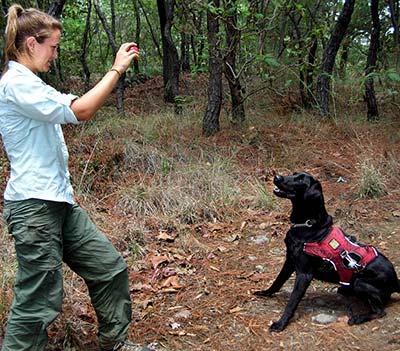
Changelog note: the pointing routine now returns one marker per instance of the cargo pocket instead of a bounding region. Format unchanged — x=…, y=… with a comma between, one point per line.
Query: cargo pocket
x=32, y=245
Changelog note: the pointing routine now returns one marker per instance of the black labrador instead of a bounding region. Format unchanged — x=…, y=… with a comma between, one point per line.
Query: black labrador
x=316, y=250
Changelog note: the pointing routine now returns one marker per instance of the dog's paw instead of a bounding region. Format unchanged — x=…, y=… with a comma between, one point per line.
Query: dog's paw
x=345, y=291
x=263, y=293
x=277, y=326
x=356, y=320
x=362, y=318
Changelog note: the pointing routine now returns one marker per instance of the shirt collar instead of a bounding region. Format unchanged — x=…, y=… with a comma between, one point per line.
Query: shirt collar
x=19, y=67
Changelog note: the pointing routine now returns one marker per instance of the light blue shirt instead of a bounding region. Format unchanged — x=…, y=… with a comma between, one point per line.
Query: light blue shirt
x=31, y=114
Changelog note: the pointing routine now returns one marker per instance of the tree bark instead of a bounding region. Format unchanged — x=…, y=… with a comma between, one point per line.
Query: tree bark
x=213, y=110
x=232, y=41
x=394, y=7
x=56, y=8
x=120, y=85
x=372, y=107
x=84, y=45
x=155, y=41
x=137, y=33
x=185, y=53
x=170, y=54
x=394, y=16
x=329, y=55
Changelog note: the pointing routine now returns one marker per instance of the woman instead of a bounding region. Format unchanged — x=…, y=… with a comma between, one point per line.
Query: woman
x=47, y=225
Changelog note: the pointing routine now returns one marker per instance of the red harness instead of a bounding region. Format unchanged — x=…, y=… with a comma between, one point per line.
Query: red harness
x=347, y=257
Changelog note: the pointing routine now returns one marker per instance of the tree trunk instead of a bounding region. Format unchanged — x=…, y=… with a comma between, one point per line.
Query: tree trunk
x=233, y=40
x=372, y=112
x=344, y=58
x=170, y=54
x=185, y=53
x=328, y=59
x=84, y=44
x=111, y=40
x=213, y=110
x=137, y=33
x=394, y=16
x=155, y=41
x=197, y=49
x=56, y=8
x=309, y=75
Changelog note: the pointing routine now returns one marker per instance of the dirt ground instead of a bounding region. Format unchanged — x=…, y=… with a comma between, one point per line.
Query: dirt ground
x=193, y=291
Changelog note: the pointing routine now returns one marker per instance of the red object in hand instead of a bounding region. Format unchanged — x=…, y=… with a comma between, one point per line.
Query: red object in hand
x=134, y=48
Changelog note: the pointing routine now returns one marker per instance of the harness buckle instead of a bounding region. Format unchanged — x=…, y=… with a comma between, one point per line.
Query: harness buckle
x=349, y=261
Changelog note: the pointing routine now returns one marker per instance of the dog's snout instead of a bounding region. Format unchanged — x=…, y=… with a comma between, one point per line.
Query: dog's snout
x=278, y=178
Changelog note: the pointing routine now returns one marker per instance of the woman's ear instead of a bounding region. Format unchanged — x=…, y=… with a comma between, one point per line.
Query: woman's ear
x=30, y=44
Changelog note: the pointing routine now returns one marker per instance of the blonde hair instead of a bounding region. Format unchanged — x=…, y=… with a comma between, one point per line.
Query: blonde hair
x=22, y=24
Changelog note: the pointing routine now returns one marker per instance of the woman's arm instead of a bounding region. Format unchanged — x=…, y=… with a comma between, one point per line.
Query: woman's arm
x=88, y=104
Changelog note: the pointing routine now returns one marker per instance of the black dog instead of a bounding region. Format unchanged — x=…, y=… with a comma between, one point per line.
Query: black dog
x=311, y=242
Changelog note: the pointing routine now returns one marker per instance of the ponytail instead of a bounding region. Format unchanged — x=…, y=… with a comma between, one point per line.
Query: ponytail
x=22, y=24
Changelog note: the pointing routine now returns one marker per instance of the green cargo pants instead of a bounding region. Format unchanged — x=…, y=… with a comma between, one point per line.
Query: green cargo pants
x=47, y=233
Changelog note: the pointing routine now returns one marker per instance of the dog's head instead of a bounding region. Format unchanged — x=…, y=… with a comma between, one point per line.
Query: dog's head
x=299, y=186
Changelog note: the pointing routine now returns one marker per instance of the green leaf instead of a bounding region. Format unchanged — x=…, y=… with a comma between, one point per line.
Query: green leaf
x=271, y=61
x=393, y=76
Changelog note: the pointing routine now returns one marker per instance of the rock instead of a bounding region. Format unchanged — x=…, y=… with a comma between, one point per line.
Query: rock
x=260, y=239
x=260, y=269
x=324, y=318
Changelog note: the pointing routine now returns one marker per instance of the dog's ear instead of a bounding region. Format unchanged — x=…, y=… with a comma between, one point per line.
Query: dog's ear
x=314, y=192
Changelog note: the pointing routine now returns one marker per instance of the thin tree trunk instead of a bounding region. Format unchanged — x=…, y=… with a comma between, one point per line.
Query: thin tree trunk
x=155, y=41
x=84, y=46
x=170, y=54
x=213, y=110
x=372, y=113
x=344, y=57
x=328, y=59
x=185, y=53
x=309, y=74
x=137, y=33
x=111, y=40
x=56, y=8
x=394, y=7
x=233, y=40
x=113, y=26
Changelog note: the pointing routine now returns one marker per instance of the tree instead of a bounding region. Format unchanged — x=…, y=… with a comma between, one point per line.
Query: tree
x=114, y=46
x=84, y=44
x=170, y=54
x=137, y=33
x=153, y=36
x=394, y=8
x=56, y=8
x=232, y=41
x=372, y=113
x=211, y=116
x=329, y=55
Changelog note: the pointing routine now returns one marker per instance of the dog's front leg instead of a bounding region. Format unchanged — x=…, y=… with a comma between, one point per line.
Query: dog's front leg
x=285, y=273
x=301, y=284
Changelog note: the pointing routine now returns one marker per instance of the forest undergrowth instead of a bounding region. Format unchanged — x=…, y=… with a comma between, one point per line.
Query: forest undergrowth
x=197, y=223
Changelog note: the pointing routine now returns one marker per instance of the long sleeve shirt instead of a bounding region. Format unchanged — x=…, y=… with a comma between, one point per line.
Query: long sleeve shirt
x=31, y=115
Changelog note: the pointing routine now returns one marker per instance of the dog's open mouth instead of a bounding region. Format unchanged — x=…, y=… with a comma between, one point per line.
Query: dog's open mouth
x=281, y=193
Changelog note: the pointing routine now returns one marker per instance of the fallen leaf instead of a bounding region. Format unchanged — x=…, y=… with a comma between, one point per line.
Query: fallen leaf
x=157, y=260
x=236, y=310
x=173, y=282
x=163, y=236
